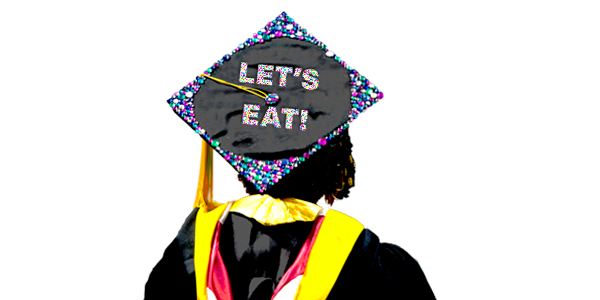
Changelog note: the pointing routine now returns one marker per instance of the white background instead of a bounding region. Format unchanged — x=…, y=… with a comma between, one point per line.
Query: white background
x=481, y=161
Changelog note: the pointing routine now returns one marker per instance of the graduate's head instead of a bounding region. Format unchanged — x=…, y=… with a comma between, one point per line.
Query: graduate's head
x=279, y=105
x=329, y=173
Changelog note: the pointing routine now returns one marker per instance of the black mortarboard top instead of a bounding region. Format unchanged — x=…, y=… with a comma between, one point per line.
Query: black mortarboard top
x=274, y=101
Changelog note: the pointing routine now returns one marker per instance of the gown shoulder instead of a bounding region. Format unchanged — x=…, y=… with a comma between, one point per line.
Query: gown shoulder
x=372, y=270
x=380, y=270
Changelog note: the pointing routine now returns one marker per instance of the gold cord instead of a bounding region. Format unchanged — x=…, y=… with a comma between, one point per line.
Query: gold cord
x=255, y=92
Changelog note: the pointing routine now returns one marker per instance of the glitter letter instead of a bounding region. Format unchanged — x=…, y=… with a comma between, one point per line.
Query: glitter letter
x=297, y=72
x=271, y=118
x=303, y=119
x=314, y=81
x=289, y=116
x=262, y=74
x=283, y=73
x=243, y=70
x=248, y=113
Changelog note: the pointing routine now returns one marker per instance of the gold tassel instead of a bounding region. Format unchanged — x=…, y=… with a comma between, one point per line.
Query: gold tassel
x=204, y=194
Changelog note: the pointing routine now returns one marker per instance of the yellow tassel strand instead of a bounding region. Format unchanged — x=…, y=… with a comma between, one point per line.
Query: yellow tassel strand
x=204, y=194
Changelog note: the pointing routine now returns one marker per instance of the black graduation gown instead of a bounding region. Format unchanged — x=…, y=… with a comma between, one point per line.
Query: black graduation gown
x=257, y=256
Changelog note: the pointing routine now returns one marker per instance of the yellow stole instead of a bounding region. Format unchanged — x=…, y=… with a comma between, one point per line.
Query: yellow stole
x=334, y=242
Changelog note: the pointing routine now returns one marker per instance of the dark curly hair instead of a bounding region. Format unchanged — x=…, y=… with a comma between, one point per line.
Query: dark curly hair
x=329, y=173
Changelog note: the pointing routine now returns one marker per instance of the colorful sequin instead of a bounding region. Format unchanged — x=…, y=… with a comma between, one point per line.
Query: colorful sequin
x=248, y=113
x=265, y=173
x=243, y=71
x=262, y=74
x=314, y=82
x=271, y=117
x=283, y=74
x=289, y=116
x=272, y=99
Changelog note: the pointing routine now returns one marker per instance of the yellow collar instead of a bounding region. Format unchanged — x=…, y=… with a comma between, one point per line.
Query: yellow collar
x=270, y=211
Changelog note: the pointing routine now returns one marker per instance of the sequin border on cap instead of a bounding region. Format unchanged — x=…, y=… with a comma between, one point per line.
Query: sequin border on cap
x=265, y=173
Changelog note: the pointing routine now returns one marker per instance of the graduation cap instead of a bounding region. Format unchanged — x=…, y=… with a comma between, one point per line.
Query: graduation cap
x=274, y=101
